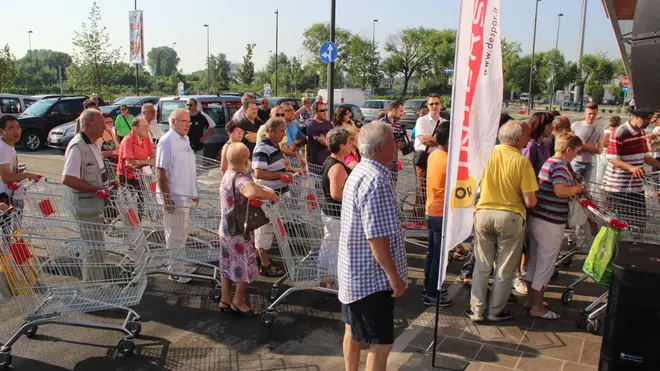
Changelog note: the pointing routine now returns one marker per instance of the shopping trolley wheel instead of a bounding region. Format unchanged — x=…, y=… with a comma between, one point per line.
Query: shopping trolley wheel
x=134, y=328
x=5, y=360
x=272, y=294
x=267, y=319
x=593, y=326
x=567, y=296
x=567, y=262
x=126, y=347
x=581, y=321
x=215, y=294
x=31, y=330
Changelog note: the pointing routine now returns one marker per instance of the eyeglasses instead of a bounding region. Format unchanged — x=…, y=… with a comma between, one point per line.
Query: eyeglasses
x=434, y=104
x=189, y=104
x=124, y=109
x=322, y=110
x=279, y=115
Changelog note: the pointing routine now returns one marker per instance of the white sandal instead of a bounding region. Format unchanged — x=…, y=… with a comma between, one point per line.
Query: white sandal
x=549, y=315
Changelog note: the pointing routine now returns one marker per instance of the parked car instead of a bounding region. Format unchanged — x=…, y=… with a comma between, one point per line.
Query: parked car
x=60, y=136
x=42, y=116
x=114, y=110
x=569, y=106
x=524, y=97
x=13, y=104
x=370, y=108
x=349, y=96
x=411, y=109
x=220, y=108
x=356, y=114
x=117, y=100
x=139, y=101
x=273, y=101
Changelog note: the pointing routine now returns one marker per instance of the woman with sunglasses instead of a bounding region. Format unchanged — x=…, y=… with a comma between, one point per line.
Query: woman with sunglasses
x=108, y=141
x=122, y=123
x=342, y=119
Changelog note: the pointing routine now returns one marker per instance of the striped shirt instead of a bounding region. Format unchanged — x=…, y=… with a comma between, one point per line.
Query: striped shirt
x=550, y=207
x=268, y=156
x=627, y=144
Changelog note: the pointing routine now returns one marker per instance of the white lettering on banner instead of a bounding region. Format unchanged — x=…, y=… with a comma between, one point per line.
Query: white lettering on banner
x=477, y=98
x=136, y=37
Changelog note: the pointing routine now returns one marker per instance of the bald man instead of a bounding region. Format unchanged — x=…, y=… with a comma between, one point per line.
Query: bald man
x=176, y=184
x=276, y=111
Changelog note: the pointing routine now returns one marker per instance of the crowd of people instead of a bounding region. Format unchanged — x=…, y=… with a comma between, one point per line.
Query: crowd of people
x=534, y=171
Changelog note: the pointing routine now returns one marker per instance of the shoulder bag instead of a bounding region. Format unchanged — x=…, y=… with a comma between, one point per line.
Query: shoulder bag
x=243, y=218
x=420, y=158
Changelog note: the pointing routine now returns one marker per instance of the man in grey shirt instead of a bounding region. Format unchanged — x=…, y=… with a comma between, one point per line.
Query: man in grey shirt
x=592, y=139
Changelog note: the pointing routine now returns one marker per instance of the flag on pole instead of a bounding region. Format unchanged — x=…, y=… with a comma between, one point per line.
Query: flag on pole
x=476, y=107
x=136, y=49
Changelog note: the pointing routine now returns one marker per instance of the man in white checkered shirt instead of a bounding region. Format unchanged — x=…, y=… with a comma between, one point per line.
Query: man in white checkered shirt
x=372, y=265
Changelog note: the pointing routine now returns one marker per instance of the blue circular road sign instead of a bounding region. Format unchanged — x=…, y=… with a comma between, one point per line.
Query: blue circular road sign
x=328, y=52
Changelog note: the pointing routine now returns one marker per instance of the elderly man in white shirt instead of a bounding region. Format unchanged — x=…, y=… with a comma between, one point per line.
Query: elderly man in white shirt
x=149, y=113
x=425, y=144
x=176, y=187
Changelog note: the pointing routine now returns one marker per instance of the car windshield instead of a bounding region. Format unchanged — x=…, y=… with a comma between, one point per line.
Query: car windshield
x=166, y=108
x=412, y=104
x=107, y=109
x=129, y=101
x=39, y=108
x=373, y=104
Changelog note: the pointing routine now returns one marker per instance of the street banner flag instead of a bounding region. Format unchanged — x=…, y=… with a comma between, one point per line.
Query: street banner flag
x=476, y=107
x=136, y=49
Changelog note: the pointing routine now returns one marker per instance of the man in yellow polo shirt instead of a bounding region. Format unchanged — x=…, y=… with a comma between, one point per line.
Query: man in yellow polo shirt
x=508, y=187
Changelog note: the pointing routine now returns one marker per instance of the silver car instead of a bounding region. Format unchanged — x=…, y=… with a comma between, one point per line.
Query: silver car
x=370, y=108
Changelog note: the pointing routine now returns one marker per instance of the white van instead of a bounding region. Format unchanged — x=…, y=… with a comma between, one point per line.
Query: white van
x=352, y=96
x=12, y=104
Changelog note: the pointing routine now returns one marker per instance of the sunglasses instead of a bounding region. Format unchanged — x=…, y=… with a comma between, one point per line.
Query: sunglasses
x=279, y=115
x=189, y=105
x=322, y=110
x=124, y=109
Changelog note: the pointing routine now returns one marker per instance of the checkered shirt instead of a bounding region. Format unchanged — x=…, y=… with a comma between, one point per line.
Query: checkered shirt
x=369, y=211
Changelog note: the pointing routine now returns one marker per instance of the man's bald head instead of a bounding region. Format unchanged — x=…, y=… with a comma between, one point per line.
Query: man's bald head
x=92, y=123
x=238, y=155
x=277, y=111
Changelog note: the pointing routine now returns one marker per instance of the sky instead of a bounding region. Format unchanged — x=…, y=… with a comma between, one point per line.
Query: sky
x=233, y=24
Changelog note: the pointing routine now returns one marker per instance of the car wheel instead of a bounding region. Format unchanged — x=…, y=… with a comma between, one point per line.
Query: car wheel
x=32, y=140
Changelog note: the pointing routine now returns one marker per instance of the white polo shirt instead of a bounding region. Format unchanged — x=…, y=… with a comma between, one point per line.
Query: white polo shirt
x=425, y=126
x=154, y=130
x=174, y=155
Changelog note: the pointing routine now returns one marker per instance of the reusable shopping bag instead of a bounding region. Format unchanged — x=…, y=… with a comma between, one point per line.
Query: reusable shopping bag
x=598, y=264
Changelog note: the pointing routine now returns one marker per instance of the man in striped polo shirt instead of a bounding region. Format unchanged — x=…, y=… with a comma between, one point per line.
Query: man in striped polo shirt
x=627, y=152
x=269, y=167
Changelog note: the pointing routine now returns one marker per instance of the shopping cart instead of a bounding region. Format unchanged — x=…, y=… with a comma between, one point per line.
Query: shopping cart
x=72, y=269
x=209, y=174
x=307, y=233
x=180, y=239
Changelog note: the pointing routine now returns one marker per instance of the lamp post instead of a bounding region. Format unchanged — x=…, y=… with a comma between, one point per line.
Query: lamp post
x=531, y=67
x=277, y=28
x=30, y=43
x=583, y=23
x=554, y=65
x=174, y=43
x=373, y=47
x=208, y=61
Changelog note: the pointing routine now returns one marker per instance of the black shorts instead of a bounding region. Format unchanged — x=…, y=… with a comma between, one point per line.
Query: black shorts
x=371, y=318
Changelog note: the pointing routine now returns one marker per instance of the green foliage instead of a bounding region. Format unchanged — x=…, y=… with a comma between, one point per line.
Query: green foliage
x=246, y=70
x=599, y=71
x=362, y=64
x=8, y=69
x=162, y=61
x=220, y=80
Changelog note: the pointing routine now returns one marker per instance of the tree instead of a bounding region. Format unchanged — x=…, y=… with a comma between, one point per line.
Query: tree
x=599, y=71
x=7, y=68
x=317, y=34
x=294, y=74
x=409, y=51
x=220, y=68
x=162, y=61
x=513, y=70
x=95, y=59
x=246, y=70
x=361, y=62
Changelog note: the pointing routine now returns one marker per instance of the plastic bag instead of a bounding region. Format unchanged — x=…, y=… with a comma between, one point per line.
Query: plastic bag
x=576, y=214
x=598, y=264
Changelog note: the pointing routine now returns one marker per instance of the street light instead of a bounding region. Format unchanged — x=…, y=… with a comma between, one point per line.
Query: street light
x=531, y=66
x=554, y=64
x=174, y=43
x=373, y=46
x=277, y=28
x=30, y=43
x=208, y=61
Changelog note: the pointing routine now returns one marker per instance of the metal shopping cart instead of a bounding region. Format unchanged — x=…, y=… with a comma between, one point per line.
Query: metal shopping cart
x=307, y=233
x=181, y=238
x=57, y=268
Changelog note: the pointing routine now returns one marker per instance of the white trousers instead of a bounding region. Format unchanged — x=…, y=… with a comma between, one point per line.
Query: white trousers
x=176, y=234
x=544, y=244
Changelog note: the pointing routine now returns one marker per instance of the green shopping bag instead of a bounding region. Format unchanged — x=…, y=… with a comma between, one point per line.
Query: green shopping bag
x=599, y=261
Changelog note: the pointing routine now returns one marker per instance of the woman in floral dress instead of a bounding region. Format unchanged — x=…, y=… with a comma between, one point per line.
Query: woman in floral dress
x=238, y=263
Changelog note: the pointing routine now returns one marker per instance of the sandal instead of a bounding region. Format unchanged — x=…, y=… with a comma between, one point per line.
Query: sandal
x=240, y=313
x=549, y=315
x=458, y=256
x=227, y=307
x=271, y=271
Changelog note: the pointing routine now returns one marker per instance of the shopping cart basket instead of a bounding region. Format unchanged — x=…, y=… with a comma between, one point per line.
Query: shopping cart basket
x=308, y=241
x=72, y=269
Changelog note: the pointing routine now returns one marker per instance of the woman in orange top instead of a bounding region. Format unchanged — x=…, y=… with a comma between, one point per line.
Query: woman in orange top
x=436, y=175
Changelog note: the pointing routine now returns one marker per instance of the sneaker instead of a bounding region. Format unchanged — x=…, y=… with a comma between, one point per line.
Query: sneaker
x=429, y=301
x=474, y=317
x=180, y=279
x=520, y=286
x=443, y=291
x=501, y=316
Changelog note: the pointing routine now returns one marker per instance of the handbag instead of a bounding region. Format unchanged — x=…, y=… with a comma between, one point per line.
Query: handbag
x=598, y=264
x=243, y=218
x=420, y=158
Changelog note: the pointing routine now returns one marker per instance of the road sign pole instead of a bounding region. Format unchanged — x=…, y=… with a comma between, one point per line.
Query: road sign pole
x=331, y=66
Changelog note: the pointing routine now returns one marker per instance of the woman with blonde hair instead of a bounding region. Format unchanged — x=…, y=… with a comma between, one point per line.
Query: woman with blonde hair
x=305, y=112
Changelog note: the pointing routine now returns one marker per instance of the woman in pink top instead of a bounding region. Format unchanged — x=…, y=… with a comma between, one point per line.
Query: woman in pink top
x=343, y=119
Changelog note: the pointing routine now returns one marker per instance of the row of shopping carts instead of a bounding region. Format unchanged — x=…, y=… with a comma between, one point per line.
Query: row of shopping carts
x=633, y=216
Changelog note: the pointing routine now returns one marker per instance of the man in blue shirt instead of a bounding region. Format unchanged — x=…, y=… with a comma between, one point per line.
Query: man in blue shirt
x=295, y=139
